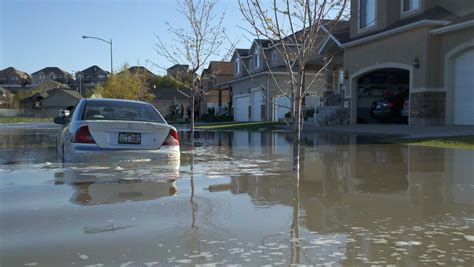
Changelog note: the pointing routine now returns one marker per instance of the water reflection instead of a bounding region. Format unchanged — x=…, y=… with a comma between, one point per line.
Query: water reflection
x=234, y=200
x=122, y=182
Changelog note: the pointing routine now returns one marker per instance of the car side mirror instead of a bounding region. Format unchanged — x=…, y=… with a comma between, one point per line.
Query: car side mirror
x=60, y=120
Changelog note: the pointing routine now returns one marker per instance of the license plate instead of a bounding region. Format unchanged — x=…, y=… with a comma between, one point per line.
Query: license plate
x=130, y=138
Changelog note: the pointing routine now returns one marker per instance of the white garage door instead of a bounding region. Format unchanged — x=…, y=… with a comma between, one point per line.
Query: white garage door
x=257, y=102
x=464, y=89
x=241, y=108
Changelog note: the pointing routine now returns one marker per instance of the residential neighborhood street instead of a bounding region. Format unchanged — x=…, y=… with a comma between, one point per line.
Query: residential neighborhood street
x=235, y=133
x=233, y=201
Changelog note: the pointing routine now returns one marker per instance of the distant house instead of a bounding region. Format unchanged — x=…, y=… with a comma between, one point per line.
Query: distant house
x=178, y=70
x=49, y=103
x=216, y=97
x=6, y=98
x=169, y=99
x=48, y=85
x=89, y=78
x=143, y=72
x=12, y=76
x=51, y=73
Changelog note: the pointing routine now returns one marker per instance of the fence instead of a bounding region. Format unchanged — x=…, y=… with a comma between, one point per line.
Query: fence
x=8, y=112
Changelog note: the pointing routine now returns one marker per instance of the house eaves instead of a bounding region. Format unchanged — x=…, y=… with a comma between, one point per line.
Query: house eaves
x=453, y=27
x=425, y=22
x=251, y=77
x=331, y=36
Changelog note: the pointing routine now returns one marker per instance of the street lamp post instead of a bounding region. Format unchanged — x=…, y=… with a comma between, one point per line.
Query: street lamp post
x=110, y=43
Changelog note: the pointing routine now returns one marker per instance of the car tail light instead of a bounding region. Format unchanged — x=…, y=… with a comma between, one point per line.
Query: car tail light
x=172, y=139
x=83, y=136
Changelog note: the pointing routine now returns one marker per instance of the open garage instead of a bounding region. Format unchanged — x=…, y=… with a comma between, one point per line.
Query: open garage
x=383, y=96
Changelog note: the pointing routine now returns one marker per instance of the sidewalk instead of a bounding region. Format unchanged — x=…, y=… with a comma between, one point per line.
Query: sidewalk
x=403, y=131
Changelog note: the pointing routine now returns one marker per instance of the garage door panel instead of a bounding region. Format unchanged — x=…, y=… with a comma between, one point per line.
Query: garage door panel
x=257, y=100
x=464, y=88
x=241, y=108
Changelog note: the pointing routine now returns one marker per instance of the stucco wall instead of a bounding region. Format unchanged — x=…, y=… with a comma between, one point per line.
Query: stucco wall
x=400, y=48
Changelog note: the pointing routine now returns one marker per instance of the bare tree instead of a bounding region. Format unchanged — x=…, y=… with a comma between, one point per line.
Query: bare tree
x=296, y=29
x=196, y=44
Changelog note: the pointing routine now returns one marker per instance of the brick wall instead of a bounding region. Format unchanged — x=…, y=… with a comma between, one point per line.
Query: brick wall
x=428, y=108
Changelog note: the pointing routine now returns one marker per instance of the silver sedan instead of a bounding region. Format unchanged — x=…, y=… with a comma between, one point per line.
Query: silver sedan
x=103, y=129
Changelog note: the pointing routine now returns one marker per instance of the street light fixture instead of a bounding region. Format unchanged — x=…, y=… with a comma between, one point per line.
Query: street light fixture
x=103, y=40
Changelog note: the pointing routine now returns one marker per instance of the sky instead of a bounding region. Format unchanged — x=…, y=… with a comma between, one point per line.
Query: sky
x=44, y=33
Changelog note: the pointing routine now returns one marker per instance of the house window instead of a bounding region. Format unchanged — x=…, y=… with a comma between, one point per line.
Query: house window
x=275, y=58
x=237, y=65
x=256, y=61
x=101, y=77
x=410, y=5
x=14, y=78
x=366, y=14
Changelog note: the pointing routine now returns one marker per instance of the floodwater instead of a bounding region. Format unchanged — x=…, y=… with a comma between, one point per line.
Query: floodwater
x=234, y=201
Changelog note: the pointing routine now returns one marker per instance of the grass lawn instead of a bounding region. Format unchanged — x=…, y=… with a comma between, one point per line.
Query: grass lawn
x=23, y=119
x=241, y=126
x=463, y=142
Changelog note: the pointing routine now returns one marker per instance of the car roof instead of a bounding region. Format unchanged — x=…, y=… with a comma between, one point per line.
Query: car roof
x=114, y=100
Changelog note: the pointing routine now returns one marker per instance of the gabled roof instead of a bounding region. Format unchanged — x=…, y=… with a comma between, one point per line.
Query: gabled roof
x=51, y=92
x=340, y=30
x=54, y=70
x=168, y=93
x=49, y=85
x=11, y=70
x=179, y=66
x=92, y=70
x=242, y=52
x=141, y=69
x=221, y=67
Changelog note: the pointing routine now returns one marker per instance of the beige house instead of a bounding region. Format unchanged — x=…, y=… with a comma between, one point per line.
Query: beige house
x=213, y=96
x=12, y=76
x=422, y=48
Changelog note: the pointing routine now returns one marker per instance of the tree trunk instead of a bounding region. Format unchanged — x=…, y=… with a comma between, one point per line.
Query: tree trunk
x=297, y=142
x=298, y=122
x=192, y=109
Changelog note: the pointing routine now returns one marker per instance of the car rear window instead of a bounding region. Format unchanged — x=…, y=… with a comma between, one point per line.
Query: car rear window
x=123, y=111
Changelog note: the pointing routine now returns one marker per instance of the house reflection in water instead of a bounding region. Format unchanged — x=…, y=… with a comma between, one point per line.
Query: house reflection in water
x=369, y=194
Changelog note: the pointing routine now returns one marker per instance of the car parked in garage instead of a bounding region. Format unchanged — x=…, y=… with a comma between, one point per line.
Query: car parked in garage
x=387, y=109
x=116, y=129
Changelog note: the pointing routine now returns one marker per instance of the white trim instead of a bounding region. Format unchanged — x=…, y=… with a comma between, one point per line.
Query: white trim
x=331, y=36
x=322, y=46
x=251, y=76
x=238, y=68
x=449, y=77
x=424, y=22
x=353, y=84
x=409, y=12
x=369, y=27
x=454, y=27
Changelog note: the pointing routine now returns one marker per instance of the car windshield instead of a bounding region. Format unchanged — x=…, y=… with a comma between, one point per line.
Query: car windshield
x=120, y=110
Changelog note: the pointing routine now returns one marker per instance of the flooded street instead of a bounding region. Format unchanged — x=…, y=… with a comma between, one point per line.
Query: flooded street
x=235, y=201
